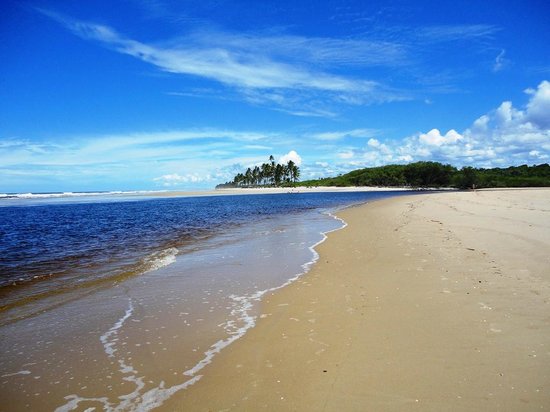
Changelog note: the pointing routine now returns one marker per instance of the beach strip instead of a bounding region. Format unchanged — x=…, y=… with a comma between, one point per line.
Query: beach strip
x=432, y=302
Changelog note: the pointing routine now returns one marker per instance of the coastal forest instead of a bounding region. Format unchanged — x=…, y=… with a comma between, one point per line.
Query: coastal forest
x=423, y=174
x=434, y=174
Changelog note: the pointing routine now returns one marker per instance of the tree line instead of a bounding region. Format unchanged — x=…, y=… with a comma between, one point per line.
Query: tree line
x=435, y=174
x=267, y=174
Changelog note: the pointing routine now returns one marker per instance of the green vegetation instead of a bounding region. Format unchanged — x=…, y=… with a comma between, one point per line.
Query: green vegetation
x=268, y=174
x=419, y=174
x=434, y=174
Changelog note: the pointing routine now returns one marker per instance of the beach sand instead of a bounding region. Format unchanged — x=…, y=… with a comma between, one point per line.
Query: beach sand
x=433, y=302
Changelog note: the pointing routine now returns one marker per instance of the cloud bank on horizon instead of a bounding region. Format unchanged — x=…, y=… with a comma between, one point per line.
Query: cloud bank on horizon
x=185, y=96
x=504, y=136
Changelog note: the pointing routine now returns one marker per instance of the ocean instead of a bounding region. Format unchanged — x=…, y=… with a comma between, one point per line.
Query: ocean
x=118, y=301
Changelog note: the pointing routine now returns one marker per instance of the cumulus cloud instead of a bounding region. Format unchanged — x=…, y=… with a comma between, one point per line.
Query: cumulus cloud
x=175, y=179
x=504, y=136
x=345, y=154
x=434, y=137
x=292, y=155
x=538, y=108
x=538, y=155
x=381, y=147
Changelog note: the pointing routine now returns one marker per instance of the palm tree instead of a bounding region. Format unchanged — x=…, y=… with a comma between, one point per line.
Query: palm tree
x=296, y=173
x=293, y=171
x=268, y=173
x=278, y=174
x=272, y=169
x=248, y=177
x=256, y=175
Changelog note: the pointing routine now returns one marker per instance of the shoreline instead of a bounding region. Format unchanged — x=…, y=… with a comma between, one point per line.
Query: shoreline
x=457, y=321
x=191, y=307
x=280, y=190
x=19, y=199
x=9, y=199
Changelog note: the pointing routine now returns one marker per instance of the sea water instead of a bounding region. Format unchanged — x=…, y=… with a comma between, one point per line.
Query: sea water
x=116, y=304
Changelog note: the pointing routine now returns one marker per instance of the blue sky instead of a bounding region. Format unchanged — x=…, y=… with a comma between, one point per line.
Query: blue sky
x=154, y=95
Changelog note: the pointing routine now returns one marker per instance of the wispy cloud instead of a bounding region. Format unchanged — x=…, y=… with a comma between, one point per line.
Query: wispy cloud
x=160, y=147
x=339, y=135
x=324, y=51
x=178, y=158
x=299, y=75
x=500, y=61
x=464, y=32
x=279, y=70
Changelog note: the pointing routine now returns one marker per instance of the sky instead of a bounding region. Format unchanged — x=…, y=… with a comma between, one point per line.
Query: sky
x=170, y=95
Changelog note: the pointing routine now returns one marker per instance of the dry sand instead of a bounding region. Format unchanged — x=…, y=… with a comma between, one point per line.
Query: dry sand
x=432, y=303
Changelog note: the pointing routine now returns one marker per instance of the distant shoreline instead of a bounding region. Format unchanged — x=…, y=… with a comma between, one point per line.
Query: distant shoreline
x=278, y=190
x=9, y=197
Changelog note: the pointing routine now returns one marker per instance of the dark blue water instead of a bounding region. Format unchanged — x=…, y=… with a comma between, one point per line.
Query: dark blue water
x=50, y=246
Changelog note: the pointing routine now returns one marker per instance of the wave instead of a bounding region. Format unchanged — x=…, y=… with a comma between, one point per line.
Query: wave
x=52, y=195
x=160, y=259
x=65, y=293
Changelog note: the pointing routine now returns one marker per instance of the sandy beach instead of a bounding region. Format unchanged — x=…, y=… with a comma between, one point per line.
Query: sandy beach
x=433, y=302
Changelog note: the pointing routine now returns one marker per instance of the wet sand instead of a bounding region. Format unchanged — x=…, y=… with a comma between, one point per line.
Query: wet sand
x=434, y=302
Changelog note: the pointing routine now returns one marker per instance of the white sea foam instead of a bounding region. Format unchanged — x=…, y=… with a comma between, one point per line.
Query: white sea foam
x=25, y=372
x=154, y=397
x=244, y=304
x=135, y=400
x=160, y=259
x=75, y=194
x=107, y=340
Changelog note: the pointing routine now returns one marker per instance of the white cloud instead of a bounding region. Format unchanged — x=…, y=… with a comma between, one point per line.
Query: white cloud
x=344, y=134
x=459, y=32
x=434, y=137
x=500, y=61
x=175, y=179
x=504, y=136
x=286, y=71
x=345, y=154
x=381, y=147
x=292, y=155
x=405, y=158
x=507, y=135
x=538, y=108
x=373, y=143
x=538, y=155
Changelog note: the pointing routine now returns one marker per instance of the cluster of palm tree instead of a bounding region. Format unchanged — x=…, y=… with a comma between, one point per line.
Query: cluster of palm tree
x=268, y=174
